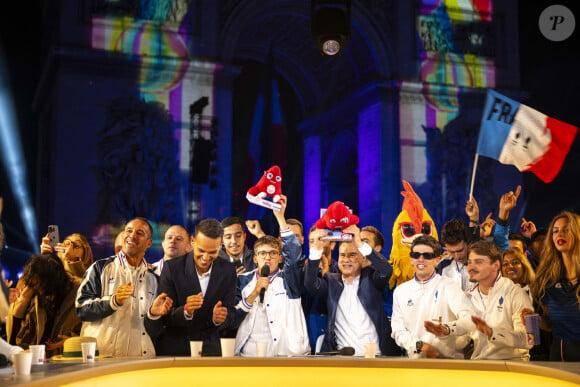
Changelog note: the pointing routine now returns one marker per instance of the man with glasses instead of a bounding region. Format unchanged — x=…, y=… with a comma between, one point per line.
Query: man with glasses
x=269, y=305
x=427, y=308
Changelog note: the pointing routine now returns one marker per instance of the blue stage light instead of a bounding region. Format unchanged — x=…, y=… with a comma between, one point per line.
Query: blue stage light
x=12, y=158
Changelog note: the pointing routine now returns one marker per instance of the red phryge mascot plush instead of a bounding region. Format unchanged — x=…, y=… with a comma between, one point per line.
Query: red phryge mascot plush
x=336, y=217
x=270, y=184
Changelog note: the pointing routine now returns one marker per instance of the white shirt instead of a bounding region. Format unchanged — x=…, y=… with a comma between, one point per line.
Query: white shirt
x=354, y=327
x=203, y=284
x=260, y=331
x=204, y=279
x=458, y=272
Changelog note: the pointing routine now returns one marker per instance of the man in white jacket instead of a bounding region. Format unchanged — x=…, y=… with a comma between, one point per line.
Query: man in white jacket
x=269, y=308
x=116, y=293
x=426, y=308
x=498, y=304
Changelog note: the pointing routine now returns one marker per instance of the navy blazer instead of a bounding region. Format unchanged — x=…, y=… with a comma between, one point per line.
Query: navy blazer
x=373, y=280
x=172, y=333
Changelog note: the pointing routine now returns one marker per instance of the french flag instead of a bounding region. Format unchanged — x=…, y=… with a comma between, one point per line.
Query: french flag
x=518, y=135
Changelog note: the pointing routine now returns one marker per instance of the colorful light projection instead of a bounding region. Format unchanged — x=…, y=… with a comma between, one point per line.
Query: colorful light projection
x=453, y=54
x=157, y=37
x=167, y=73
x=163, y=54
x=162, y=51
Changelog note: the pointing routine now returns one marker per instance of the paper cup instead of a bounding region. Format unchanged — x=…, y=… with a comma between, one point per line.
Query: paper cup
x=38, y=353
x=195, y=348
x=370, y=350
x=228, y=346
x=261, y=348
x=88, y=350
x=22, y=362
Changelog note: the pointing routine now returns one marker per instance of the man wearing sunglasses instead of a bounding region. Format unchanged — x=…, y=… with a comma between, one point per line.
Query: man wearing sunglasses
x=427, y=307
x=268, y=299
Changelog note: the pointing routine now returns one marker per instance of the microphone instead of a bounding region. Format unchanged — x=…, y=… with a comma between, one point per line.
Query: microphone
x=264, y=272
x=344, y=351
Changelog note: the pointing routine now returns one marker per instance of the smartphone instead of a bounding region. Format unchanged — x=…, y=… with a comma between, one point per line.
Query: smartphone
x=336, y=235
x=53, y=235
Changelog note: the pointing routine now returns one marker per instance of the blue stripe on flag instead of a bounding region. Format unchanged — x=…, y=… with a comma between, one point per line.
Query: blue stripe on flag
x=496, y=122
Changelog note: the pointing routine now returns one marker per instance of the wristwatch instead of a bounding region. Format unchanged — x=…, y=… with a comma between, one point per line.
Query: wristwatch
x=418, y=346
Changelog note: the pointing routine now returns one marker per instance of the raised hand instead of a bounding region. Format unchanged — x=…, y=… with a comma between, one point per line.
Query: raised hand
x=472, y=209
x=508, y=201
x=436, y=329
x=487, y=226
x=255, y=228
x=355, y=231
x=220, y=313
x=45, y=247
x=161, y=305
x=482, y=326
x=193, y=303
x=527, y=228
x=124, y=292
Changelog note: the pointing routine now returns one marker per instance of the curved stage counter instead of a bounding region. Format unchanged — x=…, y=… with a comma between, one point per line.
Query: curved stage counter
x=302, y=371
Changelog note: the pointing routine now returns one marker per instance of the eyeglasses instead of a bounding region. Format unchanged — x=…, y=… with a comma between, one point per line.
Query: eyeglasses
x=264, y=254
x=68, y=243
x=512, y=263
x=417, y=255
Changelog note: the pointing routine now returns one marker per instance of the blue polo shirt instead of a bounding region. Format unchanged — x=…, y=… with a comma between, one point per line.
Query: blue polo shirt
x=563, y=309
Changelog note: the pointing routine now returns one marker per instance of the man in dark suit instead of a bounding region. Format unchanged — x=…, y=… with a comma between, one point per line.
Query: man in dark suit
x=353, y=296
x=202, y=290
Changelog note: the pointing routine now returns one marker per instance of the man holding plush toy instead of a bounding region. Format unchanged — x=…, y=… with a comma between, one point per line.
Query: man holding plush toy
x=353, y=296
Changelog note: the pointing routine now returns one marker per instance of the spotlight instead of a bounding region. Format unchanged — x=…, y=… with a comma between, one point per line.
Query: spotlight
x=330, y=25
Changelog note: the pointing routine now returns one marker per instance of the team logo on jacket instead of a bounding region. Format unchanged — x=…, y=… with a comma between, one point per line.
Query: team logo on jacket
x=410, y=302
x=500, y=304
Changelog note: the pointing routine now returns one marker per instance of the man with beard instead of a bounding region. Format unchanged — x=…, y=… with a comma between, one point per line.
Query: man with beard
x=498, y=305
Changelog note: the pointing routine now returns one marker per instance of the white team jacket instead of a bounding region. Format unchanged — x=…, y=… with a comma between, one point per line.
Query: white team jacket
x=441, y=300
x=119, y=330
x=285, y=315
x=501, y=311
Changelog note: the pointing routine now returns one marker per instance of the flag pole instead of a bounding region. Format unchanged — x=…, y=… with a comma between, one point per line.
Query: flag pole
x=473, y=176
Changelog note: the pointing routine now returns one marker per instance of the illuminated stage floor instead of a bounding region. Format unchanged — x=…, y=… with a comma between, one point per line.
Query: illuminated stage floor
x=303, y=371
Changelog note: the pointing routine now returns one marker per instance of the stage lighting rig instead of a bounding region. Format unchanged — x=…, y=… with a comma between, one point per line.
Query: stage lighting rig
x=330, y=25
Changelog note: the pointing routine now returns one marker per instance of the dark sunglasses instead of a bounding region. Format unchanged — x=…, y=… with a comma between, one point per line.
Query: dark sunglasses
x=417, y=255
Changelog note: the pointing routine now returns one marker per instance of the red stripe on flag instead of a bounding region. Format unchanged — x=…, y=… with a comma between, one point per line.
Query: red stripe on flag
x=563, y=135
